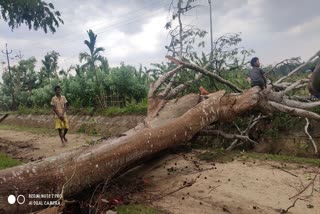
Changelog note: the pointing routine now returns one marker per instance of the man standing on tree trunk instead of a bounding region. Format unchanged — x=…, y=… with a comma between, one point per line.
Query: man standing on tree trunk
x=257, y=75
x=59, y=104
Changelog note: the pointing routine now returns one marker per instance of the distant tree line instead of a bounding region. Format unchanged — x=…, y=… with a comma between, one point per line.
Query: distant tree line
x=82, y=84
x=86, y=84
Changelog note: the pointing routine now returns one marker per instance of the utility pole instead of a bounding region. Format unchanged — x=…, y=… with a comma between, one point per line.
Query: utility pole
x=10, y=77
x=209, y=1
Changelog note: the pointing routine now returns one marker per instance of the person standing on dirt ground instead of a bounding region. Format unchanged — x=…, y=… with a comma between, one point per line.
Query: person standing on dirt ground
x=59, y=104
x=257, y=75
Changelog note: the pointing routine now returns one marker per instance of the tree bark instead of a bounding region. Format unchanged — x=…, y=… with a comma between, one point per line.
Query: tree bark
x=73, y=172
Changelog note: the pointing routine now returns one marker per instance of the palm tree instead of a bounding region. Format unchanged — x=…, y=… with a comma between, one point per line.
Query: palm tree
x=50, y=64
x=94, y=54
x=78, y=69
x=104, y=67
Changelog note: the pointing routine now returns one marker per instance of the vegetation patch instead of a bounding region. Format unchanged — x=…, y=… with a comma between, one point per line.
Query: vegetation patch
x=39, y=111
x=7, y=162
x=26, y=128
x=219, y=155
x=136, y=209
x=91, y=142
x=280, y=158
x=132, y=109
x=89, y=128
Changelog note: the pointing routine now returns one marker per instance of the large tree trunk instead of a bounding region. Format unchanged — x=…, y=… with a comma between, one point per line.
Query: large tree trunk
x=71, y=173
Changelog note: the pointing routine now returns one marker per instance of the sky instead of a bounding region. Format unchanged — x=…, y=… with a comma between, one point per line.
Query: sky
x=133, y=32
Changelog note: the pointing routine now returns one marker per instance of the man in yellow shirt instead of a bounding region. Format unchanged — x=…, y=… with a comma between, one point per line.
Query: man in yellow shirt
x=59, y=104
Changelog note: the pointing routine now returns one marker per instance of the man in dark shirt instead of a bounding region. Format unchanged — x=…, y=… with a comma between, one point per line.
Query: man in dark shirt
x=314, y=80
x=257, y=75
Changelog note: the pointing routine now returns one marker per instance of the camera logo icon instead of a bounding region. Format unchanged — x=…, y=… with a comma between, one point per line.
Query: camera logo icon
x=20, y=199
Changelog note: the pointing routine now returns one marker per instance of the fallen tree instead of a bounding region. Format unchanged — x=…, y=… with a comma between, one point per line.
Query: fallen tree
x=170, y=121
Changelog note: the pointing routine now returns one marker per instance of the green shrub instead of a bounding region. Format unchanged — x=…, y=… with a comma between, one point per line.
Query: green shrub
x=6, y=162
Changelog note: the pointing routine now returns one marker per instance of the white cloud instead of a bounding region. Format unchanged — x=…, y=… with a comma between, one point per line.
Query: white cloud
x=307, y=27
x=133, y=31
x=119, y=45
x=115, y=43
x=148, y=41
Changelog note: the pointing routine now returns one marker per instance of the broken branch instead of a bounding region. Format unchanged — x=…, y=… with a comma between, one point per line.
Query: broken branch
x=226, y=135
x=293, y=111
x=182, y=87
x=293, y=86
x=164, y=77
x=283, y=62
x=294, y=203
x=298, y=68
x=310, y=137
x=206, y=72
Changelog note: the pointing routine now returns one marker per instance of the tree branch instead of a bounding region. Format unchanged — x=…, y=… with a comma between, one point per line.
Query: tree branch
x=226, y=135
x=253, y=121
x=298, y=68
x=168, y=88
x=182, y=87
x=300, y=99
x=286, y=61
x=206, y=72
x=164, y=77
x=294, y=203
x=185, y=85
x=310, y=137
x=293, y=111
x=293, y=86
x=279, y=97
x=233, y=145
x=298, y=104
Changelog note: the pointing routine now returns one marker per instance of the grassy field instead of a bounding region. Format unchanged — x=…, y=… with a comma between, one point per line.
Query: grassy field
x=131, y=109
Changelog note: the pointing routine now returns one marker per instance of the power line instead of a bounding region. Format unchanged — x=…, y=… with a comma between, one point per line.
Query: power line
x=128, y=13
x=110, y=28
x=115, y=26
x=112, y=24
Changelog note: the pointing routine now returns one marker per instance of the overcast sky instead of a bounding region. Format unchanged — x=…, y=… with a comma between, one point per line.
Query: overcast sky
x=133, y=31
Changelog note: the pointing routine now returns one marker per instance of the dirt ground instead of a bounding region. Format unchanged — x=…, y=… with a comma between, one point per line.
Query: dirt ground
x=181, y=183
x=27, y=146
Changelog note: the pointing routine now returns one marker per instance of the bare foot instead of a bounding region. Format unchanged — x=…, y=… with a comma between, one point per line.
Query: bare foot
x=65, y=139
x=63, y=142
